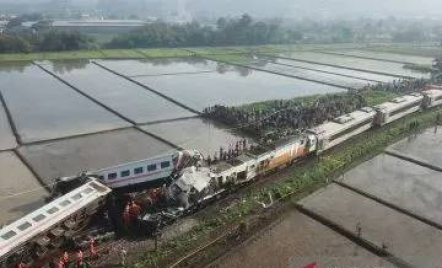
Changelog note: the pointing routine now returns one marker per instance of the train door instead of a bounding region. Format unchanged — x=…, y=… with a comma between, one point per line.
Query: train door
x=312, y=143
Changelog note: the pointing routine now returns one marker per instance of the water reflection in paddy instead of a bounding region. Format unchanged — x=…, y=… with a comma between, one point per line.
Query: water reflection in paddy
x=44, y=108
x=127, y=98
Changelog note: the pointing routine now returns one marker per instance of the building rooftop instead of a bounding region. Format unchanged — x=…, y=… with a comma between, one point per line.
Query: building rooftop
x=98, y=23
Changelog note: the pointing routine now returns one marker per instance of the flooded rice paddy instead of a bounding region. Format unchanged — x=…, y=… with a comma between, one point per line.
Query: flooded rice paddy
x=200, y=134
x=400, y=58
x=402, y=183
x=368, y=65
x=69, y=157
x=426, y=146
x=405, y=237
x=335, y=70
x=20, y=192
x=44, y=108
x=132, y=101
x=154, y=67
x=232, y=86
x=332, y=79
x=295, y=241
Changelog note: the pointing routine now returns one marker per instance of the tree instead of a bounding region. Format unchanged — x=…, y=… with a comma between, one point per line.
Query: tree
x=60, y=41
x=13, y=44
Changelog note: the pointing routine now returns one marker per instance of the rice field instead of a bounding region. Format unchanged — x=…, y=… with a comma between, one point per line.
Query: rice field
x=367, y=65
x=80, y=114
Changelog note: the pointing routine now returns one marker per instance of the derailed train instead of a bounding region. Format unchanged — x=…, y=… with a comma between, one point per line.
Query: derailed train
x=189, y=182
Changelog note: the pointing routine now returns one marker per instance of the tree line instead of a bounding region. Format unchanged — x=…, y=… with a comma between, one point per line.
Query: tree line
x=50, y=41
x=236, y=31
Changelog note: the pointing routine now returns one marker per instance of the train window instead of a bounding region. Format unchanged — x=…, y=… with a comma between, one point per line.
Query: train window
x=165, y=164
x=112, y=176
x=125, y=173
x=8, y=235
x=77, y=196
x=38, y=218
x=52, y=210
x=65, y=203
x=151, y=167
x=139, y=170
x=88, y=191
x=101, y=178
x=24, y=226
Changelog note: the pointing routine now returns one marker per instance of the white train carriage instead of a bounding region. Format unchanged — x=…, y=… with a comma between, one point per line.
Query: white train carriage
x=432, y=97
x=48, y=226
x=138, y=172
x=342, y=128
x=147, y=171
x=397, y=108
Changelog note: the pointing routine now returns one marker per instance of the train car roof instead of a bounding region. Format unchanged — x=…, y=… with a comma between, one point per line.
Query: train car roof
x=42, y=219
x=343, y=122
x=134, y=162
x=197, y=179
x=434, y=93
x=399, y=102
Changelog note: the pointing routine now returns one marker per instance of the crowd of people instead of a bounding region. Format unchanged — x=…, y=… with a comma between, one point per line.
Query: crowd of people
x=281, y=118
x=274, y=120
x=400, y=86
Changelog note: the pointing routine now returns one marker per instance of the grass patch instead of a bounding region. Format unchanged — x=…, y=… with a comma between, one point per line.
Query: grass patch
x=205, y=51
x=164, y=53
x=216, y=50
x=331, y=164
x=375, y=97
x=121, y=54
x=426, y=51
x=419, y=67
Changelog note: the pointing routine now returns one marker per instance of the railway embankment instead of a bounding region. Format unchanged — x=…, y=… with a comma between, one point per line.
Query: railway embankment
x=295, y=182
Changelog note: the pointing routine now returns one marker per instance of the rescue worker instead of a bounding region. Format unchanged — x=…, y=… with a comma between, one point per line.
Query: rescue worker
x=22, y=265
x=61, y=263
x=66, y=257
x=126, y=215
x=134, y=210
x=92, y=248
x=123, y=254
x=79, y=256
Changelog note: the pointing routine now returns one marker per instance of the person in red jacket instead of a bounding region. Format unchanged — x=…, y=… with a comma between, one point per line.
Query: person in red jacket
x=65, y=257
x=22, y=265
x=92, y=248
x=60, y=263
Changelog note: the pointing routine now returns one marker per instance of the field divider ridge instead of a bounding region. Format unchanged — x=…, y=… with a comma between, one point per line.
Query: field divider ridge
x=148, y=88
x=345, y=67
x=390, y=205
x=327, y=72
x=360, y=241
x=32, y=170
x=413, y=160
x=364, y=57
x=132, y=123
x=86, y=95
x=277, y=73
x=10, y=120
